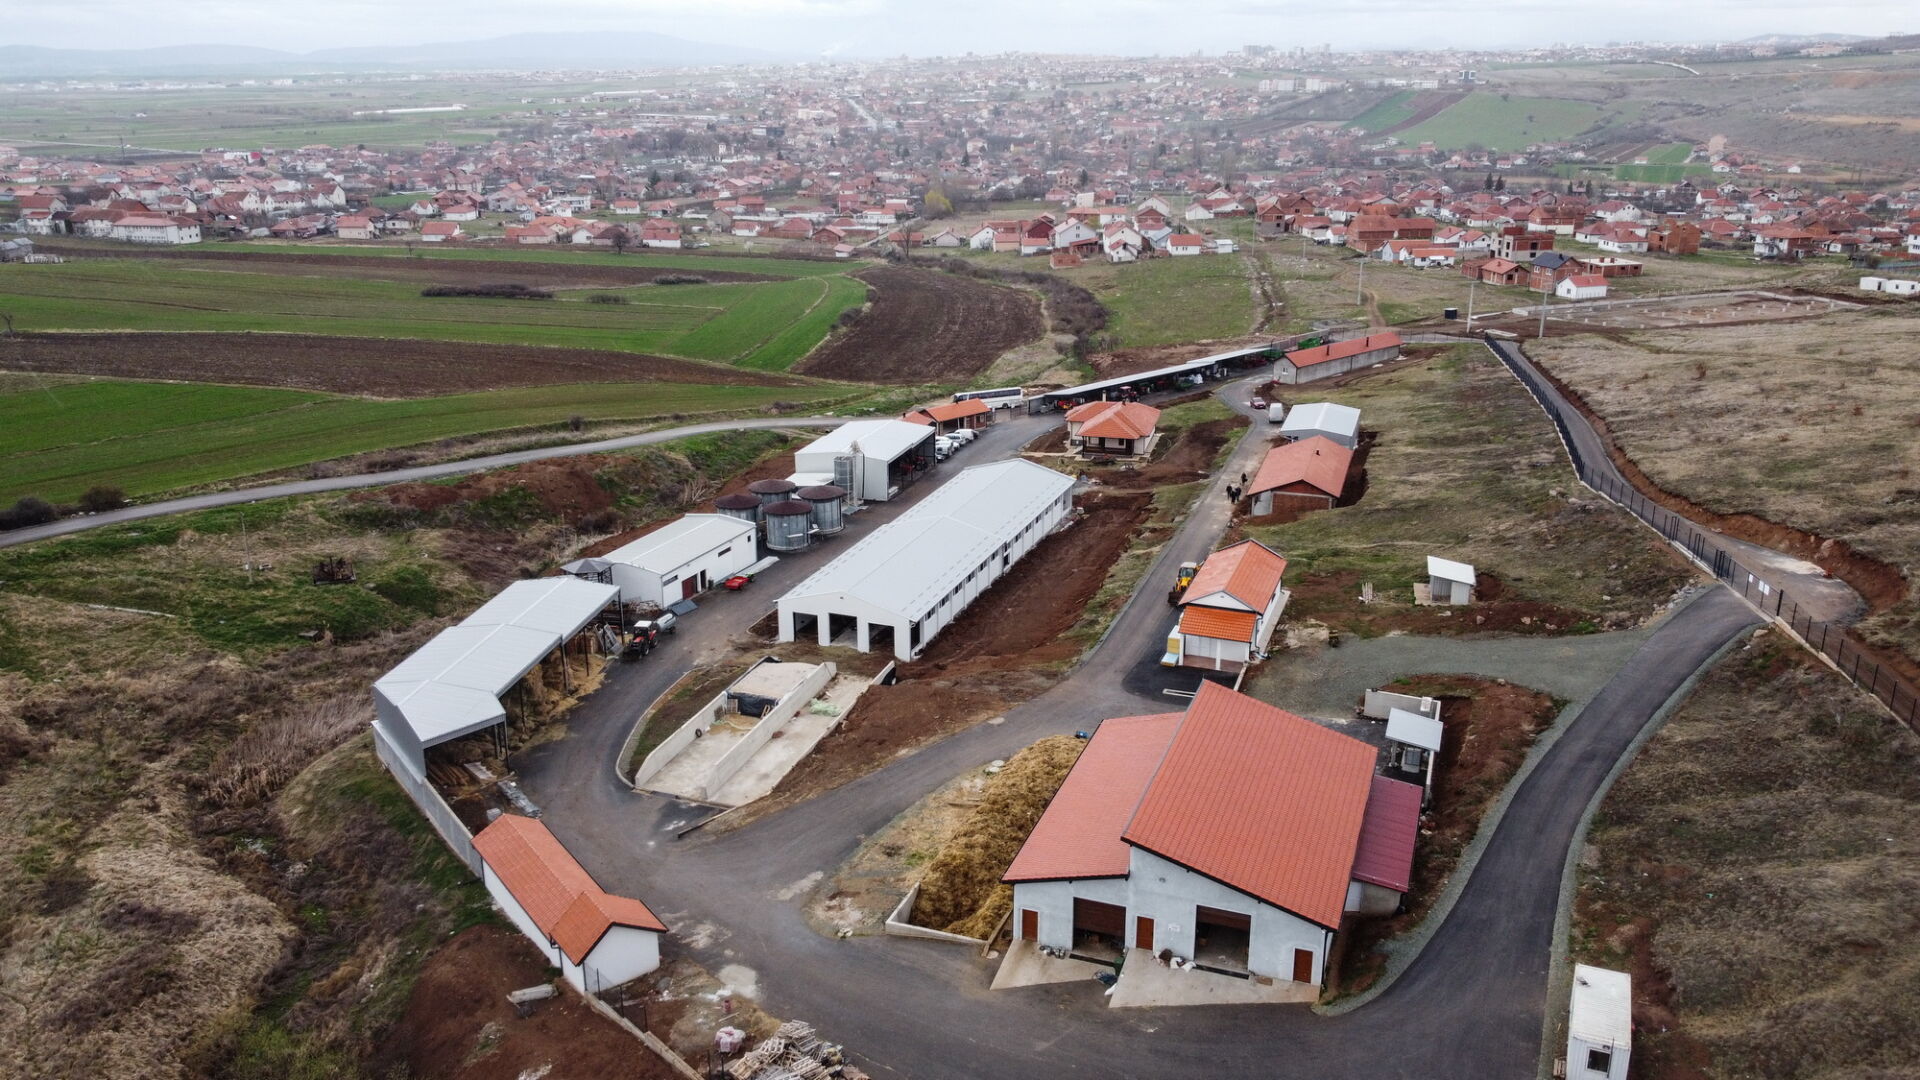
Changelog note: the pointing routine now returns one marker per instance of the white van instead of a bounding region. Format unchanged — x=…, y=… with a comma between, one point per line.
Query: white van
x=962, y=436
x=943, y=447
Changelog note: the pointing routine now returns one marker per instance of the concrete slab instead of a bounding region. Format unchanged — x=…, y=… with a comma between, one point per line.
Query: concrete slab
x=1147, y=983
x=685, y=777
x=794, y=741
x=1025, y=965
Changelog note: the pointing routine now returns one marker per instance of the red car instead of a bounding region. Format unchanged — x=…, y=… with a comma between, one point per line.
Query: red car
x=737, y=582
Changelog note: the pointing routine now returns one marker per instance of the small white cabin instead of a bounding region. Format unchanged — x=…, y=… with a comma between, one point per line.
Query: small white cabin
x=1450, y=582
x=1599, y=1024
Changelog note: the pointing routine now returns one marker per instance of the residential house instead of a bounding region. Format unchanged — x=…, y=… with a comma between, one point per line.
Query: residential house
x=155, y=229
x=971, y=413
x=434, y=232
x=354, y=227
x=1185, y=244
x=1112, y=427
x=1308, y=474
x=1582, y=287
x=1229, y=612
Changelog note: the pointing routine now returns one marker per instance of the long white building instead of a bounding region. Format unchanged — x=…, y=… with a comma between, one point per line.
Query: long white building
x=909, y=578
x=872, y=459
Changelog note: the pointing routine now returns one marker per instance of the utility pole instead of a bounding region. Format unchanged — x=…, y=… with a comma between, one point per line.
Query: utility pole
x=1360, y=290
x=1472, y=283
x=1544, y=295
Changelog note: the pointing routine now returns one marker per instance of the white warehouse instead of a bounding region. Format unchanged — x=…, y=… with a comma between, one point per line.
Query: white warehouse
x=870, y=459
x=909, y=578
x=684, y=558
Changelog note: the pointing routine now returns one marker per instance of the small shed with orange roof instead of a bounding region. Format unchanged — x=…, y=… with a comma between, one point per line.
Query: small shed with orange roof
x=1228, y=613
x=1310, y=474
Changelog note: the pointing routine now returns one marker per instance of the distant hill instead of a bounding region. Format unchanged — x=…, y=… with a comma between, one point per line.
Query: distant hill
x=574, y=51
x=1803, y=39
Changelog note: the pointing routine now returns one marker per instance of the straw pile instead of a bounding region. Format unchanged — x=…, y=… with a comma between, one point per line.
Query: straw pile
x=962, y=893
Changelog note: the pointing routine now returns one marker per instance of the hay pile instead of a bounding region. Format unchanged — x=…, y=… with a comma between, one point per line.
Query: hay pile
x=962, y=893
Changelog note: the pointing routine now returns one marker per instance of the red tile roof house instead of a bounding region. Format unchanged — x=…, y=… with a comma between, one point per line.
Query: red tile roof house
x=971, y=413
x=1112, y=427
x=1236, y=834
x=1310, y=474
x=1336, y=358
x=597, y=940
x=1229, y=611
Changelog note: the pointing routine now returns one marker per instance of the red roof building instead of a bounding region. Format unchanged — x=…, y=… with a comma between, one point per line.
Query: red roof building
x=1229, y=611
x=597, y=939
x=1112, y=427
x=1336, y=358
x=1310, y=474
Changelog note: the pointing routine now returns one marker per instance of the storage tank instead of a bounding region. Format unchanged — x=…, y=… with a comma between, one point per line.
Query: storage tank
x=829, y=507
x=744, y=507
x=772, y=491
x=789, y=525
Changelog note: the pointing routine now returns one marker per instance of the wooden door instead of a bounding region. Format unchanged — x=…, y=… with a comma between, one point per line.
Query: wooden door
x=1029, y=925
x=1302, y=966
x=1143, y=932
x=689, y=587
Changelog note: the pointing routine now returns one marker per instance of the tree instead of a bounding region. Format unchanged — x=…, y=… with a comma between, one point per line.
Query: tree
x=966, y=159
x=621, y=241
x=937, y=204
x=1489, y=182
x=1501, y=184
x=102, y=497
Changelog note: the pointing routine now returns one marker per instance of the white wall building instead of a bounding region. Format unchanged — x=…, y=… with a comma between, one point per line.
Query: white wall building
x=1450, y=582
x=869, y=459
x=1235, y=834
x=1341, y=423
x=683, y=559
x=596, y=939
x=909, y=578
x=1599, y=1024
x=1228, y=613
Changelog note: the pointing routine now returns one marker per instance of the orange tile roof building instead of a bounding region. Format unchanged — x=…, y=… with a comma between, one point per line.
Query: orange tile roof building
x=1310, y=474
x=1228, y=613
x=1336, y=358
x=595, y=938
x=971, y=413
x=1236, y=833
x=1113, y=427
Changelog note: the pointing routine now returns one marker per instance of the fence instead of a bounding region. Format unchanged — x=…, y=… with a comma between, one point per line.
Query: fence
x=1829, y=640
x=432, y=806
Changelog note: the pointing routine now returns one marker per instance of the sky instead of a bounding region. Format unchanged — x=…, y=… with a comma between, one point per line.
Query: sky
x=867, y=28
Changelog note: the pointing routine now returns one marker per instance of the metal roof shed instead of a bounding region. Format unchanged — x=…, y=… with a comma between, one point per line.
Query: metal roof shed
x=1450, y=582
x=1341, y=423
x=859, y=455
x=669, y=564
x=1599, y=1024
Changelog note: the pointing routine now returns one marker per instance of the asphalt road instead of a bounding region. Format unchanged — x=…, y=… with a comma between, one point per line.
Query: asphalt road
x=66, y=526
x=1471, y=1005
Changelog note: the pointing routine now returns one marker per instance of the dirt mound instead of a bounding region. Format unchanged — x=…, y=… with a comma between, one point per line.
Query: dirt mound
x=927, y=326
x=962, y=892
x=1189, y=459
x=561, y=487
x=458, y=1023
x=375, y=367
x=427, y=270
x=1020, y=620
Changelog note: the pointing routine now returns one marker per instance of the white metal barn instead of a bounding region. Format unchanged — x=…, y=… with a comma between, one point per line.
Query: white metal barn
x=1599, y=1024
x=912, y=576
x=596, y=939
x=684, y=558
x=451, y=686
x=870, y=459
x=1341, y=423
x=1450, y=582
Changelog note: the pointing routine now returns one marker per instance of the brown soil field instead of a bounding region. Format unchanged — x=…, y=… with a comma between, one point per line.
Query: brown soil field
x=424, y=270
x=1798, y=436
x=1490, y=726
x=374, y=367
x=459, y=1026
x=1764, y=909
x=1112, y=365
x=928, y=326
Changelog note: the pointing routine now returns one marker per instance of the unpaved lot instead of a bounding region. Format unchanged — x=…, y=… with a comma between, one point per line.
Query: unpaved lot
x=1802, y=426
x=928, y=327
x=373, y=367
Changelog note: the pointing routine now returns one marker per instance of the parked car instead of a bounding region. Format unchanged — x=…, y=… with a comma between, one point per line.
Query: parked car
x=963, y=436
x=736, y=582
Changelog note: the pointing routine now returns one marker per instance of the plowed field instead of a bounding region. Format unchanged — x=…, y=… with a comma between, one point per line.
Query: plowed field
x=928, y=327
x=377, y=367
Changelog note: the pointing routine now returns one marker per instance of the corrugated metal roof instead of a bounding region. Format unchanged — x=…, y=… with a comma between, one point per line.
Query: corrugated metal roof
x=1388, y=830
x=1321, y=416
x=1414, y=730
x=882, y=440
x=908, y=564
x=1079, y=834
x=1450, y=570
x=679, y=543
x=558, y=605
x=1218, y=623
x=1316, y=460
x=553, y=888
x=1601, y=1007
x=1188, y=367
x=1259, y=799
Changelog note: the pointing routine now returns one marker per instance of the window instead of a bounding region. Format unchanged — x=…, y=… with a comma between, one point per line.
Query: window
x=723, y=551
x=1600, y=1061
x=665, y=581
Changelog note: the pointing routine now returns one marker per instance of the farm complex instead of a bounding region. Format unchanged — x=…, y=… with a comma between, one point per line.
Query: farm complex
x=540, y=558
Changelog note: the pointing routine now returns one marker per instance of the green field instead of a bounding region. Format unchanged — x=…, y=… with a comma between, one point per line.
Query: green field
x=1168, y=301
x=745, y=264
x=763, y=325
x=169, y=435
x=1394, y=110
x=1508, y=124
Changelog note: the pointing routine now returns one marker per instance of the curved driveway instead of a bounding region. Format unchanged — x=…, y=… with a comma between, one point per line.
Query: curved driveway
x=1469, y=1006
x=395, y=476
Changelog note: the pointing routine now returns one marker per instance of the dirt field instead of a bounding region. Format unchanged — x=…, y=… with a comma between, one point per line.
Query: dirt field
x=1112, y=365
x=1719, y=309
x=1490, y=726
x=426, y=271
x=459, y=1026
x=1800, y=436
x=1755, y=869
x=372, y=367
x=928, y=326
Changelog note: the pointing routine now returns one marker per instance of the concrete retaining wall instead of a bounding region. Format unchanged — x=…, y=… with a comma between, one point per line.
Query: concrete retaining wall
x=671, y=746
x=432, y=806
x=775, y=719
x=898, y=926
x=1379, y=701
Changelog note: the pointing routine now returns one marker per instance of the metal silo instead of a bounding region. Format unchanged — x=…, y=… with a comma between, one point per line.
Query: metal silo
x=829, y=507
x=772, y=491
x=789, y=525
x=744, y=507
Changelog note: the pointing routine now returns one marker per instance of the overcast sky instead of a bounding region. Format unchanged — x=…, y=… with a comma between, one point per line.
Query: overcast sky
x=940, y=27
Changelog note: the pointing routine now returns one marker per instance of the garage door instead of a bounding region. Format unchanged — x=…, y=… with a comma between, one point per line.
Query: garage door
x=1227, y=920
x=1094, y=917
